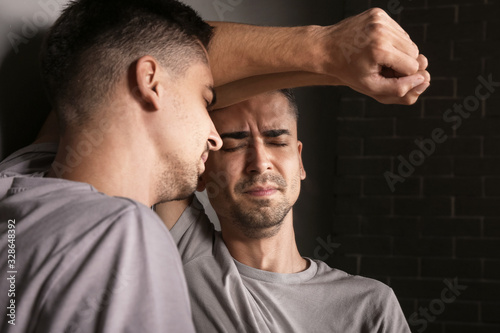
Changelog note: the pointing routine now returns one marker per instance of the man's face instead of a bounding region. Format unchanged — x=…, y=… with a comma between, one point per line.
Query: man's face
x=254, y=180
x=187, y=132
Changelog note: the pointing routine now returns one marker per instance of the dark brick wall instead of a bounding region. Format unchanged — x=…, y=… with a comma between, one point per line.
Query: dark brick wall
x=443, y=221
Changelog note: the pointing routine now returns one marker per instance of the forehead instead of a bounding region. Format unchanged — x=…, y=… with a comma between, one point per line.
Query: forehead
x=265, y=111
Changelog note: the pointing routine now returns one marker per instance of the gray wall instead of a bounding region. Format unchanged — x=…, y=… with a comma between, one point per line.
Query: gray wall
x=23, y=105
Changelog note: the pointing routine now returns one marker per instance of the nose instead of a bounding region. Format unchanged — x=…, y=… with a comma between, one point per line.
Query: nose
x=214, y=140
x=258, y=160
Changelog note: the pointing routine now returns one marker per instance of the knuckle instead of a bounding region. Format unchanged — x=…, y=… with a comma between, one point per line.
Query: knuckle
x=376, y=12
x=376, y=28
x=416, y=51
x=413, y=65
x=423, y=62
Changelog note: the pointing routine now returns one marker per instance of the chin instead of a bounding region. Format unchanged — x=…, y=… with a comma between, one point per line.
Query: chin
x=177, y=187
x=186, y=191
x=181, y=195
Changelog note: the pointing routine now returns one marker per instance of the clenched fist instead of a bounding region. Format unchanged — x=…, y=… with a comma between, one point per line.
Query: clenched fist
x=373, y=55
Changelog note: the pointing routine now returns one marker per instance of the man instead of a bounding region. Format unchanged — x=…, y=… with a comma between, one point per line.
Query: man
x=130, y=83
x=250, y=277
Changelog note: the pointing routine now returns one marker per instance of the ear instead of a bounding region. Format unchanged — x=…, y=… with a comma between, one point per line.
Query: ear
x=148, y=74
x=302, y=170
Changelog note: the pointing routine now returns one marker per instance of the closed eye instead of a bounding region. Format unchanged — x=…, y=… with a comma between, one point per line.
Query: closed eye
x=231, y=149
x=278, y=144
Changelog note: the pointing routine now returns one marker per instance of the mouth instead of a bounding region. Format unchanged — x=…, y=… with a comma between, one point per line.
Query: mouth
x=262, y=191
x=204, y=157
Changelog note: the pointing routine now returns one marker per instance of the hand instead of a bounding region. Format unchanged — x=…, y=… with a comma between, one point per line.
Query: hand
x=373, y=55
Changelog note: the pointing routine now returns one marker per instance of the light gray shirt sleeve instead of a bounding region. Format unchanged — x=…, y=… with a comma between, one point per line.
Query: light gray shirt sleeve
x=394, y=319
x=86, y=262
x=130, y=280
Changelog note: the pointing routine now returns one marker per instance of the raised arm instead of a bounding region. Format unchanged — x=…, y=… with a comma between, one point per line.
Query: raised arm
x=238, y=91
x=369, y=52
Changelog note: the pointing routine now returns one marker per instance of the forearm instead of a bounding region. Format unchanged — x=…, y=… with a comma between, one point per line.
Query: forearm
x=369, y=52
x=238, y=91
x=239, y=51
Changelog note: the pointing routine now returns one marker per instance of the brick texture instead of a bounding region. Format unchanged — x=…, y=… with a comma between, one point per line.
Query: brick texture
x=441, y=220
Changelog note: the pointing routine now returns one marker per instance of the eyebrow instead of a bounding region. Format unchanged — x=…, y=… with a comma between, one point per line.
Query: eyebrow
x=276, y=132
x=245, y=134
x=235, y=135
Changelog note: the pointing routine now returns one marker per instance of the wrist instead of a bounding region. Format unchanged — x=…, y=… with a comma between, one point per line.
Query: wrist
x=316, y=49
x=331, y=60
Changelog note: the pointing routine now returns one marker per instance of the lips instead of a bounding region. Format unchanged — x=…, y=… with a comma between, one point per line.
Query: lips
x=261, y=191
x=265, y=184
x=204, y=157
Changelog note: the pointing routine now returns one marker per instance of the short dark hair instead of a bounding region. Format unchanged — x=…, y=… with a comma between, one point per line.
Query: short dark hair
x=290, y=96
x=95, y=42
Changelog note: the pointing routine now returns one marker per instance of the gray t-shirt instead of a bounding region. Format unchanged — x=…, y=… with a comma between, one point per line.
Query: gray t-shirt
x=84, y=261
x=228, y=296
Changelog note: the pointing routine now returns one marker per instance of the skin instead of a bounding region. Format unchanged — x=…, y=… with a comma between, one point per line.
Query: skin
x=369, y=52
x=155, y=138
x=262, y=167
x=384, y=64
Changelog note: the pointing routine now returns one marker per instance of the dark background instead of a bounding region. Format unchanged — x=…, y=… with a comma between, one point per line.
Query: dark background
x=442, y=222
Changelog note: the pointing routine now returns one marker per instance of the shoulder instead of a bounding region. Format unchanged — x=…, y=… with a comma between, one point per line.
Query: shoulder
x=373, y=303
x=75, y=217
x=120, y=234
x=30, y=159
x=110, y=261
x=139, y=236
x=355, y=284
x=69, y=212
x=136, y=220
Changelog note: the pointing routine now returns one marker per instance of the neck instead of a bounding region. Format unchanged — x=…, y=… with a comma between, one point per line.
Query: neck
x=115, y=165
x=277, y=253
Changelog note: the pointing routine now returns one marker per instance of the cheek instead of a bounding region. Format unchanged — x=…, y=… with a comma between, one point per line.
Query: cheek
x=203, y=126
x=291, y=170
x=204, y=122
x=194, y=132
x=216, y=180
x=222, y=174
